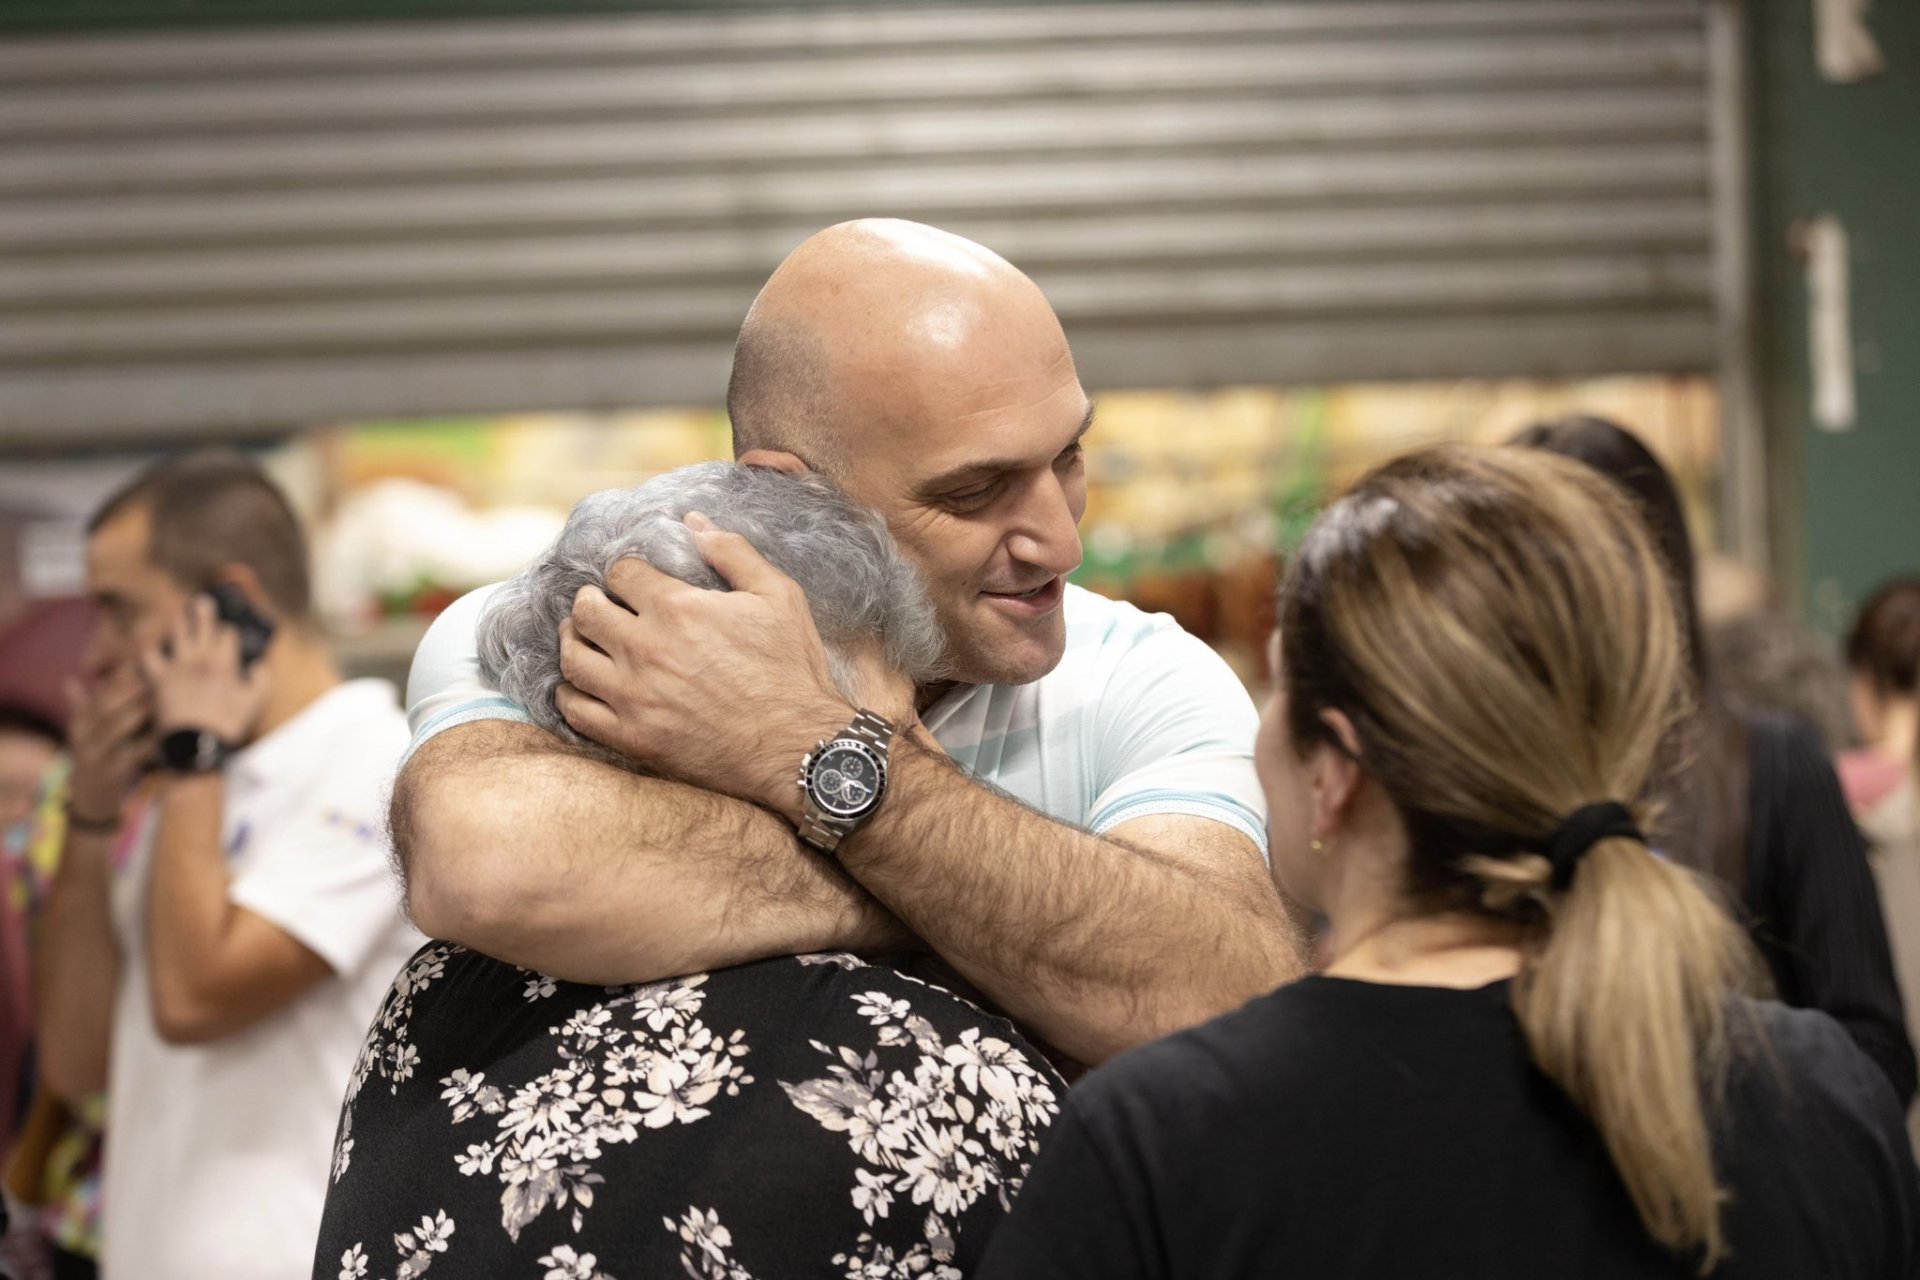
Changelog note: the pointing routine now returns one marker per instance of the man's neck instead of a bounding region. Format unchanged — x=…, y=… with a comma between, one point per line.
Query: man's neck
x=927, y=694
x=301, y=670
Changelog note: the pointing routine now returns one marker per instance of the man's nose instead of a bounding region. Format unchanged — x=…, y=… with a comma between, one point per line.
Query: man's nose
x=1047, y=535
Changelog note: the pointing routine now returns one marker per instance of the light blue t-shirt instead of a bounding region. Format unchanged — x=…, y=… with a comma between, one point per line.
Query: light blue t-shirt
x=1139, y=719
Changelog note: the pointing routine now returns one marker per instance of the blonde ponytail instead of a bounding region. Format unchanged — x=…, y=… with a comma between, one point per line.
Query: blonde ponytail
x=1624, y=1004
x=1497, y=626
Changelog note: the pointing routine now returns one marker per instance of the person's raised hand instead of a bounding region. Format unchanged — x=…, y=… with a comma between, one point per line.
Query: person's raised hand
x=197, y=681
x=723, y=689
x=110, y=736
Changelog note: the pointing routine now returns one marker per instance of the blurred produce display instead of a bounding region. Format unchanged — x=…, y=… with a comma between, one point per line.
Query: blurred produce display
x=1193, y=496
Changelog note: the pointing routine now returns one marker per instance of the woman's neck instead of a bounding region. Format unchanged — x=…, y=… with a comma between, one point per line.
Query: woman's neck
x=1453, y=950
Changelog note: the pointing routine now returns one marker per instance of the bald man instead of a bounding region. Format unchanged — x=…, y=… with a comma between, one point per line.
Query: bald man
x=1070, y=820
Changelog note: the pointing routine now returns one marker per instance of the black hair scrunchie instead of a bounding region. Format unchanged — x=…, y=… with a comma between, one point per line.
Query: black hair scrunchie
x=1580, y=830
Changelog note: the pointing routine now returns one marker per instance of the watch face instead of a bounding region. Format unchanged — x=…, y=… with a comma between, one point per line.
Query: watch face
x=846, y=779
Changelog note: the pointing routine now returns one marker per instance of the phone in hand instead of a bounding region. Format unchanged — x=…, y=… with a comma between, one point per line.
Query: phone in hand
x=231, y=607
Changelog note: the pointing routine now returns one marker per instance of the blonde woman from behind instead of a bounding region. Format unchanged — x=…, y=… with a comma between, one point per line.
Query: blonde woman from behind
x=1531, y=1054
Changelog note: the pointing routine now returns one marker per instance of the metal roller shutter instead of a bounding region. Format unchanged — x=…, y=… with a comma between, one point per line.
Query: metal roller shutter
x=244, y=230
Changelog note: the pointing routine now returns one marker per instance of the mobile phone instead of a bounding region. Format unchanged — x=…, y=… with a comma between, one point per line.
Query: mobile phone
x=231, y=607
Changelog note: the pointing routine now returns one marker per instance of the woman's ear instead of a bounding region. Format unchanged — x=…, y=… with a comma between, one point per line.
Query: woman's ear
x=1336, y=774
x=778, y=459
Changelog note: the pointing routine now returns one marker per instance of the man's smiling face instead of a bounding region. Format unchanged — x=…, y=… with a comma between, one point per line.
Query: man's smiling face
x=960, y=420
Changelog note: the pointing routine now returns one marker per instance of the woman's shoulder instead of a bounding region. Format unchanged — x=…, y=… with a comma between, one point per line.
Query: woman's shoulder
x=1805, y=1058
x=1802, y=1083
x=1294, y=1054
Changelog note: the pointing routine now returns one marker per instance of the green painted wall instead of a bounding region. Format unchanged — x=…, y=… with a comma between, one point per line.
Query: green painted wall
x=1847, y=504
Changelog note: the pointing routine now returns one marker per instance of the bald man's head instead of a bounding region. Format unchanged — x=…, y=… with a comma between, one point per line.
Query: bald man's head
x=780, y=396
x=873, y=295
x=927, y=375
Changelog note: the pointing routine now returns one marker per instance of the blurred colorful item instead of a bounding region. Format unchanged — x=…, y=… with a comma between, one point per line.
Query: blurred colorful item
x=55, y=1165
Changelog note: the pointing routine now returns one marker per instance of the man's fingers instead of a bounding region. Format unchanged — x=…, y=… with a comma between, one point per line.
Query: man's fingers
x=597, y=620
x=734, y=559
x=110, y=698
x=581, y=664
x=589, y=716
x=121, y=723
x=153, y=663
x=633, y=581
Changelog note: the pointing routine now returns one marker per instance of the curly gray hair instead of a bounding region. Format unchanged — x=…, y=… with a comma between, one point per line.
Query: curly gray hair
x=857, y=584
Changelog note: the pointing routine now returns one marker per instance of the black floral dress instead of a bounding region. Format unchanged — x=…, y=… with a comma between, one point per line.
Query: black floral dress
x=800, y=1117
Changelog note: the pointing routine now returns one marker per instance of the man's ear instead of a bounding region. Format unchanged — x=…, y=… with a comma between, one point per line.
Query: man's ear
x=778, y=459
x=1336, y=773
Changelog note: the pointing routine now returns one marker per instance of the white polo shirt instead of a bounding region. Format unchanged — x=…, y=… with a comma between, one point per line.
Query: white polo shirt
x=217, y=1155
x=1138, y=719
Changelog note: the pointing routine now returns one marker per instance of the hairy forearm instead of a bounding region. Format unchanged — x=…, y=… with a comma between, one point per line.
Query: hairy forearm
x=1096, y=944
x=547, y=857
x=76, y=965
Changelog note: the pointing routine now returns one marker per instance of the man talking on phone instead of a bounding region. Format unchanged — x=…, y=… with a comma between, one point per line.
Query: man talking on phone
x=223, y=924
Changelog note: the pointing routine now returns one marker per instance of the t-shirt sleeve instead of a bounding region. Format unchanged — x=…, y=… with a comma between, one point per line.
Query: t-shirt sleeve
x=445, y=687
x=322, y=875
x=1075, y=1218
x=1175, y=736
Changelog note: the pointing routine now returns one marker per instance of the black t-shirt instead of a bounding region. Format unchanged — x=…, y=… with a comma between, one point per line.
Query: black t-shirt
x=1815, y=912
x=1337, y=1128
x=792, y=1118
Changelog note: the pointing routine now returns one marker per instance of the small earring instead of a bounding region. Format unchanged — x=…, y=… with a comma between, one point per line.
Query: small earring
x=1318, y=846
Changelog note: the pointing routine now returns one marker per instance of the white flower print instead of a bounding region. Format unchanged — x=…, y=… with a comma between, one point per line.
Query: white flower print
x=936, y=1126
x=589, y=1026
x=564, y=1264
x=676, y=1093
x=664, y=1004
x=469, y=1094
x=940, y=1134
x=880, y=1008
x=946, y=1168
x=708, y=1255
x=871, y=1195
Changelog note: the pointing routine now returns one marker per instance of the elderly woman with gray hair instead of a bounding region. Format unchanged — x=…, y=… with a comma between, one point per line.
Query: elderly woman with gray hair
x=796, y=1116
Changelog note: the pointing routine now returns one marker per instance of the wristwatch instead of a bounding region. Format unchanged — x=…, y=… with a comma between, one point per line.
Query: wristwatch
x=842, y=781
x=193, y=751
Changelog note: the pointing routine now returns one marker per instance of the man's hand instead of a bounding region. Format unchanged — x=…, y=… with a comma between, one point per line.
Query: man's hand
x=722, y=689
x=112, y=738
x=197, y=679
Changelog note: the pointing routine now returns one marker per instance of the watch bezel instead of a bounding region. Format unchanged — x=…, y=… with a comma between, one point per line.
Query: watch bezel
x=825, y=805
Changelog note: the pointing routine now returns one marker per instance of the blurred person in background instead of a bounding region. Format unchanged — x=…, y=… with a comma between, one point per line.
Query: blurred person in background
x=788, y=1117
x=1531, y=1054
x=51, y=1156
x=1076, y=807
x=30, y=746
x=221, y=986
x=1751, y=798
x=1767, y=661
x=1883, y=669
x=1883, y=655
